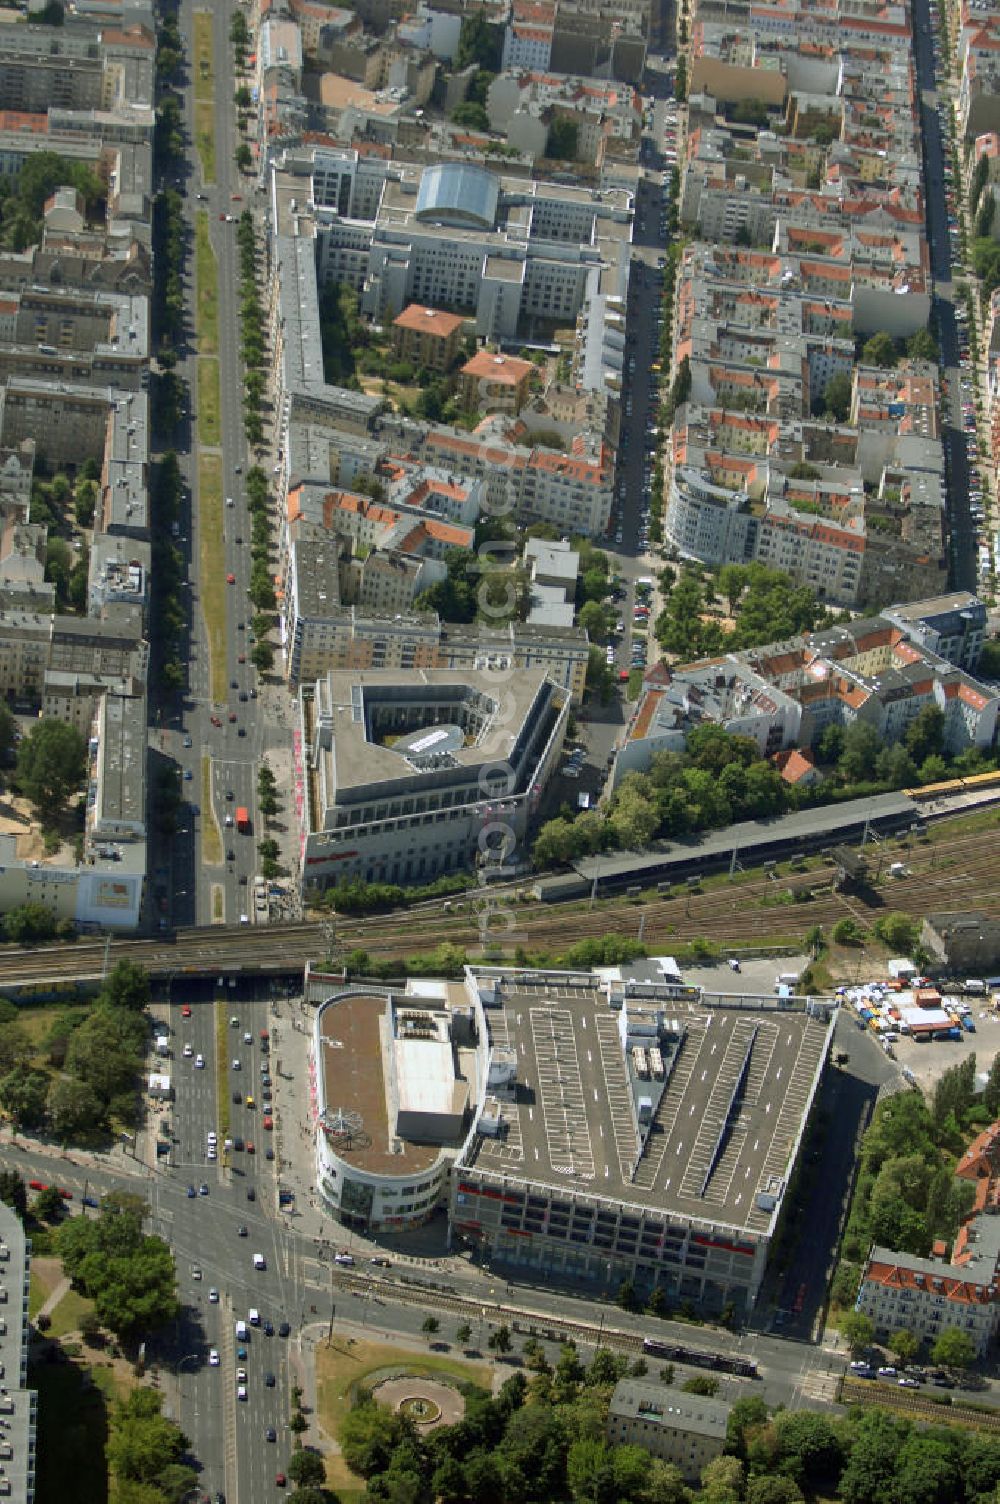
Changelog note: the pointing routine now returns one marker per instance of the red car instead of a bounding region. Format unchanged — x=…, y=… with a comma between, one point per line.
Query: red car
x=280, y=1480
x=250, y=1147
x=216, y=721
x=232, y=716
x=237, y=198
x=242, y=658
x=186, y=1011
x=268, y=1123
x=230, y=579
x=37, y=1185
x=66, y=1195
x=223, y=218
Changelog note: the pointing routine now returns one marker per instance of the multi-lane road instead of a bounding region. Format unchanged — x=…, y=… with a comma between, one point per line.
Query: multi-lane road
x=227, y=730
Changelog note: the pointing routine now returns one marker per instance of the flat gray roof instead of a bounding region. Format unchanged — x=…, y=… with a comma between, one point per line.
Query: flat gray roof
x=671, y=1408
x=749, y=836
x=715, y=1145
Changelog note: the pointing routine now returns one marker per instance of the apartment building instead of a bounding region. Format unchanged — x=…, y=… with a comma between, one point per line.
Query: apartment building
x=18, y=1403
x=686, y=1430
x=880, y=671
x=928, y=1296
x=428, y=337
x=495, y=383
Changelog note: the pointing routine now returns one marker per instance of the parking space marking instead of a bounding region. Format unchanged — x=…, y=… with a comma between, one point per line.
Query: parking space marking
x=561, y=1090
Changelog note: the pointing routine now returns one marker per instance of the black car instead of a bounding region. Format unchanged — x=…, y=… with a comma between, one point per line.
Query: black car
x=244, y=695
x=268, y=1328
x=242, y=731
x=284, y=1329
x=237, y=1097
x=243, y=1230
x=251, y=1193
x=270, y=1434
x=230, y=855
x=269, y=1154
x=238, y=1145
x=234, y=684
x=269, y=1380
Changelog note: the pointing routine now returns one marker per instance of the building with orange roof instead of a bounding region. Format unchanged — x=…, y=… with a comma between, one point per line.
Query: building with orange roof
x=928, y=1296
x=495, y=383
x=875, y=671
x=428, y=337
x=796, y=767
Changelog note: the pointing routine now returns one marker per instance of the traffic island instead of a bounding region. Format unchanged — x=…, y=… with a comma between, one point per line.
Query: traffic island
x=204, y=94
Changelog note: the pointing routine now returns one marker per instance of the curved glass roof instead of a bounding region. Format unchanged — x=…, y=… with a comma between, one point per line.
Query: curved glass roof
x=459, y=195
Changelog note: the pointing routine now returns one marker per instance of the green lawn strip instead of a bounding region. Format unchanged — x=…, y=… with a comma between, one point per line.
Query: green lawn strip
x=212, y=571
x=209, y=401
x=211, y=836
x=45, y=1275
x=67, y=1313
x=204, y=77
x=204, y=94
x=207, y=282
x=221, y=1061
x=72, y=1434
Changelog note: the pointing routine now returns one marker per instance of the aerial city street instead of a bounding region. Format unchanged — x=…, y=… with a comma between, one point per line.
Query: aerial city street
x=501, y=703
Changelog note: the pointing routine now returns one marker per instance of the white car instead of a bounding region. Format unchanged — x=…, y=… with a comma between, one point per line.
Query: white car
x=210, y=1153
x=188, y=1052
x=241, y=1376
x=199, y=1062
x=248, y=1038
x=213, y=1137
x=213, y=1296
x=213, y=1357
x=236, y=1065
x=241, y=1391
x=230, y=502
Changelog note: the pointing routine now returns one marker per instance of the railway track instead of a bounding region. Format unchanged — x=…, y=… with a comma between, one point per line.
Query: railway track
x=526, y=1322
x=961, y=869
x=916, y=1405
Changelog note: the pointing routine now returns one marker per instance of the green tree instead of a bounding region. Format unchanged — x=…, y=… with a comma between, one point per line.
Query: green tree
x=746, y=1416
x=369, y=1435
x=732, y=579
x=701, y=1383
x=772, y=1490
x=15, y=1046
x=499, y=1340
x=870, y=1473
x=51, y=762
x=837, y=394
x=143, y=1443
x=23, y=1097
x=904, y=1345
x=472, y=115
x=244, y=157
x=48, y=1205
x=73, y=1108
x=126, y=986
x=989, y=659
x=722, y=1481
x=430, y=1325
x=862, y=745
x=262, y=657
x=954, y=1348
x=13, y=1192
x=925, y=733
x=463, y=1333
x=857, y=1330
x=595, y=621
x=880, y=351
x=991, y=1091
x=563, y=139
x=898, y=931
x=922, y=346
x=808, y=1449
